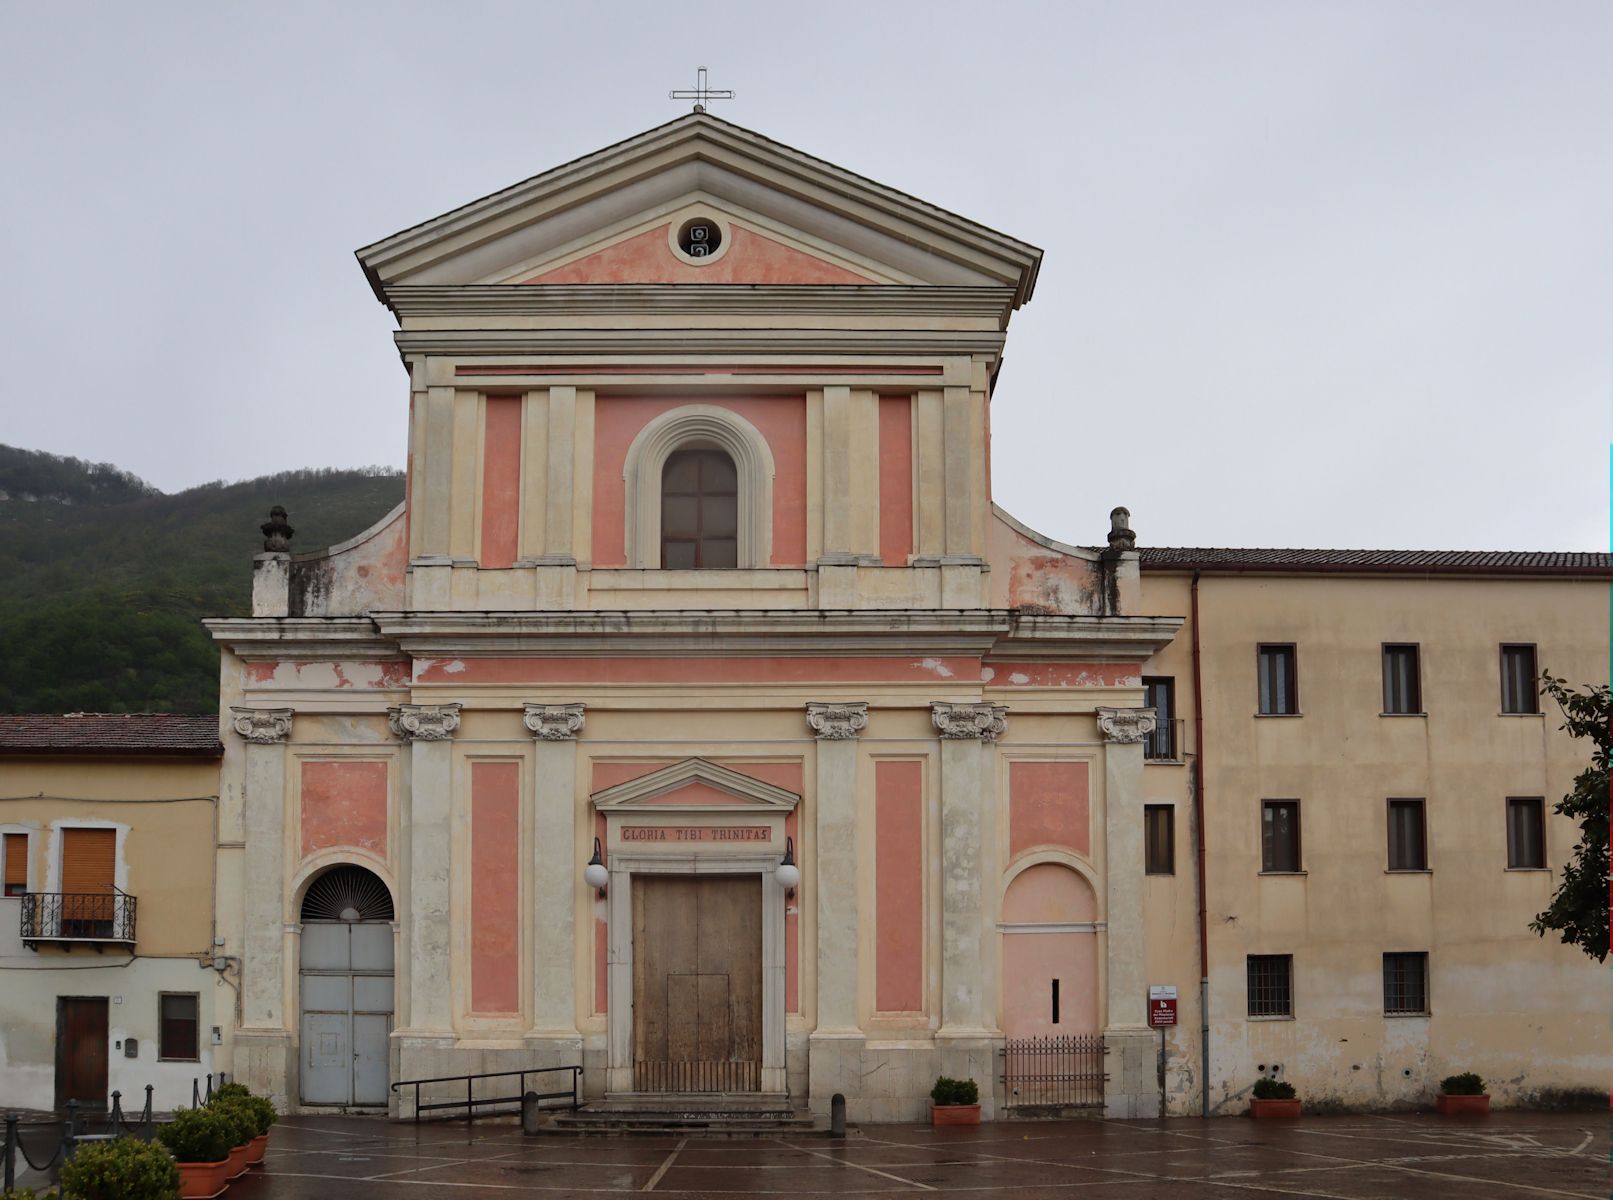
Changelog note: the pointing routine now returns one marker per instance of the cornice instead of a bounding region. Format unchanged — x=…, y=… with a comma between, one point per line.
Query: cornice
x=882, y=342
x=292, y=638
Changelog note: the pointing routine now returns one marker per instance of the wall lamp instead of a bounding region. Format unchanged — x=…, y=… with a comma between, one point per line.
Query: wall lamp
x=596, y=875
x=788, y=874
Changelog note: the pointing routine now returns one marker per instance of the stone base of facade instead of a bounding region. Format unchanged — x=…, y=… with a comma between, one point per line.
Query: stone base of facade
x=889, y=1079
x=265, y=1060
x=1132, y=1089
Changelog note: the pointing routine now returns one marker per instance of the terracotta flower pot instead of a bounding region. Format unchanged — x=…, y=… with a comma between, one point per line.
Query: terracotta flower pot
x=237, y=1160
x=1265, y=1110
x=255, y=1149
x=1459, y=1106
x=954, y=1114
x=202, y=1181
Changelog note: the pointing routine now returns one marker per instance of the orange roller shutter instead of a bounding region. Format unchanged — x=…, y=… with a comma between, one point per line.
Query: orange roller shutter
x=87, y=859
x=16, y=853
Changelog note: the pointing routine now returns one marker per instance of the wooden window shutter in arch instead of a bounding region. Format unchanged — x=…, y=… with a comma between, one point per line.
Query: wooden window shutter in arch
x=88, y=859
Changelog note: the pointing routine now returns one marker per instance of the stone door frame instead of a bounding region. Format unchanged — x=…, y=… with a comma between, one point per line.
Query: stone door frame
x=619, y=971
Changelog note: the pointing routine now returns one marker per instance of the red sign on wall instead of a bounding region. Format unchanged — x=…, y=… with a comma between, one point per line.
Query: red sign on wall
x=1161, y=1006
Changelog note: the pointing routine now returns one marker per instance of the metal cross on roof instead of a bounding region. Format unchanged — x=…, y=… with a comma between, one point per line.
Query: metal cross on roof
x=701, y=92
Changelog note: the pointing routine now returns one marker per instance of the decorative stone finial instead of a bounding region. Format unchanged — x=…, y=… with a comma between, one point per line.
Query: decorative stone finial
x=1121, y=536
x=836, y=722
x=276, y=533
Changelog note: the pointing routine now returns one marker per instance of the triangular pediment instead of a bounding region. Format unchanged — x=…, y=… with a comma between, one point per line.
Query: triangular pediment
x=695, y=785
x=787, y=218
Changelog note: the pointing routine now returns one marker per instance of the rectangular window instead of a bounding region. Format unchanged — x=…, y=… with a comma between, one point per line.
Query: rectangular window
x=1279, y=681
x=1526, y=831
x=1279, y=835
x=178, y=1021
x=1405, y=984
x=1402, y=681
x=1408, y=836
x=1159, y=693
x=1159, y=833
x=1518, y=675
x=16, y=854
x=1271, y=985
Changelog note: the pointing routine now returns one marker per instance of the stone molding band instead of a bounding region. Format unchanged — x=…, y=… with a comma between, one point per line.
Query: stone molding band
x=424, y=722
x=262, y=726
x=1126, y=725
x=985, y=722
x=833, y=722
x=554, y=722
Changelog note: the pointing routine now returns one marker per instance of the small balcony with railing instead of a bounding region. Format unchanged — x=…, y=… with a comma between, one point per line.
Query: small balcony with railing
x=98, y=919
x=1165, y=743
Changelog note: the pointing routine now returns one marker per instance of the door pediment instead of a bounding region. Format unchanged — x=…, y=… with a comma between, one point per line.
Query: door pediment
x=695, y=785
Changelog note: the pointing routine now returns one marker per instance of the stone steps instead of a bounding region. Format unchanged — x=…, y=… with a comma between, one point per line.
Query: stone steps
x=666, y=1115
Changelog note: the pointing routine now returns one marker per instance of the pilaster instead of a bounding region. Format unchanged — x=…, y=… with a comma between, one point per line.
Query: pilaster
x=968, y=735
x=554, y=869
x=429, y=730
x=1133, y=1089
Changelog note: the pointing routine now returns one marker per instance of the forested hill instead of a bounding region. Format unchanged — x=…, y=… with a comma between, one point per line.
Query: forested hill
x=106, y=579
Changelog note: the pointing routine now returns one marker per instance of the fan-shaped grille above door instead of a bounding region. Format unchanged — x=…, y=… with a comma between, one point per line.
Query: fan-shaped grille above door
x=347, y=893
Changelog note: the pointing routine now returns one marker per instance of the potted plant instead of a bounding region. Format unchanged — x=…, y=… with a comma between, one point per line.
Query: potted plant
x=1273, y=1098
x=121, y=1169
x=955, y=1102
x=199, y=1139
x=1462, y=1094
x=242, y=1124
x=263, y=1109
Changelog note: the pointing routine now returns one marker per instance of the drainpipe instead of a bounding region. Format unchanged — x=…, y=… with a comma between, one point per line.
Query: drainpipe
x=1198, y=821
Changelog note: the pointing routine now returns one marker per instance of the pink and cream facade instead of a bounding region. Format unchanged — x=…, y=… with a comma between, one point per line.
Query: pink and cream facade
x=698, y=559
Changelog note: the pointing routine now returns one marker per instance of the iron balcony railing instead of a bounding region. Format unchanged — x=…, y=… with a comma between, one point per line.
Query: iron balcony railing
x=1165, y=743
x=77, y=917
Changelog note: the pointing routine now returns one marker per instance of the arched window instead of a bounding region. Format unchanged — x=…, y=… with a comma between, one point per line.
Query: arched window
x=699, y=510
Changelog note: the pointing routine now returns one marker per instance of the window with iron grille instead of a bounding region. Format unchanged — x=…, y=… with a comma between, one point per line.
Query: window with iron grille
x=1159, y=839
x=1408, y=836
x=1526, y=831
x=1279, y=680
x=1271, y=985
x=1279, y=835
x=1402, y=682
x=1518, y=675
x=1159, y=693
x=177, y=1022
x=1405, y=983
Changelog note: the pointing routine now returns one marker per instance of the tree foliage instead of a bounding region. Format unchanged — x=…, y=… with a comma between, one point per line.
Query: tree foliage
x=1579, y=910
x=106, y=584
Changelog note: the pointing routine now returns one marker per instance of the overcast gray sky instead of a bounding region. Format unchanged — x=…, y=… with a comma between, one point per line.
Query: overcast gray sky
x=1316, y=274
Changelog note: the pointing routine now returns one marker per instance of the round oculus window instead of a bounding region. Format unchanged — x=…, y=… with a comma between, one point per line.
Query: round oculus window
x=699, y=237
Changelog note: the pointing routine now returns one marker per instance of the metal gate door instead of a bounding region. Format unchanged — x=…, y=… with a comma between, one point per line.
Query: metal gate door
x=347, y=994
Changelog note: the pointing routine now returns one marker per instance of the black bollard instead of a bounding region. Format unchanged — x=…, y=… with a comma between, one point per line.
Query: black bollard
x=11, y=1149
x=837, y=1116
x=531, y=1113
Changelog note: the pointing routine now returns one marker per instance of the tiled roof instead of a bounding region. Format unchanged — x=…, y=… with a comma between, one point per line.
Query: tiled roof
x=1415, y=562
x=110, y=733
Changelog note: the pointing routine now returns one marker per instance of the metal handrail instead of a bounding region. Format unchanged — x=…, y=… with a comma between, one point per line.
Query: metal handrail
x=472, y=1102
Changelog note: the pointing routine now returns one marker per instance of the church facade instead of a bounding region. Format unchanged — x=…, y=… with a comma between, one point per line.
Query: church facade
x=699, y=720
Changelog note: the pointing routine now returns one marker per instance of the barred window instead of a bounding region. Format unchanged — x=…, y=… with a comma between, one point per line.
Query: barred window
x=1159, y=839
x=1408, y=836
x=1526, y=831
x=1518, y=677
x=1405, y=983
x=1271, y=985
x=1279, y=680
x=1279, y=835
x=1402, y=680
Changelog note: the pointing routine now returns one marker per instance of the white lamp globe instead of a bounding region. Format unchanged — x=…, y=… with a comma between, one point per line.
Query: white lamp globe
x=596, y=875
x=788, y=875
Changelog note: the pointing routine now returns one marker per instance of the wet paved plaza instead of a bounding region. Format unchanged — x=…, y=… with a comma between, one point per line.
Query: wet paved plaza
x=1506, y=1155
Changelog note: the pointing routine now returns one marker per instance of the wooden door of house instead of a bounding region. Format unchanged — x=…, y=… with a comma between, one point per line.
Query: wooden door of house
x=697, y=983
x=81, y=1050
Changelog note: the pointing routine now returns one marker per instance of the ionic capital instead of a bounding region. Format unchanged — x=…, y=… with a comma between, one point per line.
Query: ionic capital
x=554, y=722
x=424, y=722
x=833, y=722
x=262, y=726
x=985, y=722
x=1125, y=725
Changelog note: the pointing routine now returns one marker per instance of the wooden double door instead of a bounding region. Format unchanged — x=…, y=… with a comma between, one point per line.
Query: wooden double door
x=697, y=983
